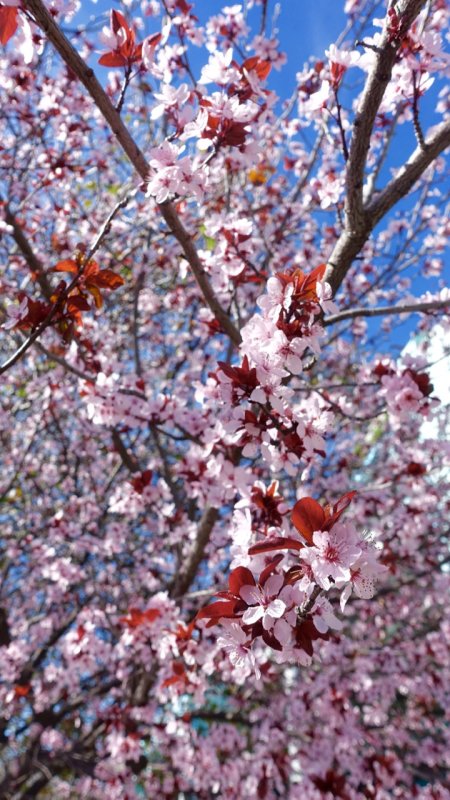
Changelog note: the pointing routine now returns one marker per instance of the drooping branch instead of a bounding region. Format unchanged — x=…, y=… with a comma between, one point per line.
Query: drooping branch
x=87, y=77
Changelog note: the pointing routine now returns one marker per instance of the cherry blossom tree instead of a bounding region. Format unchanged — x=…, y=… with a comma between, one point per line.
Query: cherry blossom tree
x=224, y=564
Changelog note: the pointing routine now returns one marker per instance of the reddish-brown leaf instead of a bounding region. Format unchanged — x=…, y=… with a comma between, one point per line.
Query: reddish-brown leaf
x=77, y=303
x=22, y=689
x=118, y=21
x=113, y=60
x=255, y=64
x=338, y=509
x=136, y=617
x=8, y=22
x=308, y=516
x=216, y=611
x=241, y=576
x=107, y=279
x=275, y=543
x=67, y=265
x=271, y=567
x=96, y=294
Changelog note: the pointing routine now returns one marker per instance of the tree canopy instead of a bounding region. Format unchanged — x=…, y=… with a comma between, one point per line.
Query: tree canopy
x=224, y=563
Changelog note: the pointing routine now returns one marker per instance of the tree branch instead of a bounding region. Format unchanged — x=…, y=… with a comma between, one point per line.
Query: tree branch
x=376, y=84
x=183, y=581
x=435, y=143
x=360, y=219
x=380, y=311
x=27, y=251
x=86, y=75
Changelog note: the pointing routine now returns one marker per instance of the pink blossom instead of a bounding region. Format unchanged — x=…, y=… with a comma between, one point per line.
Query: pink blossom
x=235, y=642
x=218, y=70
x=264, y=602
x=16, y=313
x=333, y=554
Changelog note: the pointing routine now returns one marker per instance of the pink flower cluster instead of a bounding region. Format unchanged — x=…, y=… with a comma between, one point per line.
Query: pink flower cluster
x=285, y=608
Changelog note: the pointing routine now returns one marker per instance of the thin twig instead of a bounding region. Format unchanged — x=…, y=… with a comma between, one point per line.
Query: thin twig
x=415, y=107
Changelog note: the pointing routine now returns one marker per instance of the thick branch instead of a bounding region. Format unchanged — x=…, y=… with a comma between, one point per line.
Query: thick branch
x=206, y=525
x=27, y=251
x=435, y=143
x=86, y=75
x=351, y=241
x=376, y=84
x=360, y=219
x=128, y=459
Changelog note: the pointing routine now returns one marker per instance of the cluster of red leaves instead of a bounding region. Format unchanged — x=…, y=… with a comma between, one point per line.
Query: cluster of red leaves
x=252, y=68
x=243, y=378
x=295, y=321
x=232, y=606
x=8, y=22
x=67, y=303
x=37, y=312
x=91, y=279
x=307, y=516
x=135, y=617
x=126, y=52
x=223, y=130
x=268, y=502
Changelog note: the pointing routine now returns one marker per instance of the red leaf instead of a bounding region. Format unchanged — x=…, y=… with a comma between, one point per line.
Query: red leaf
x=178, y=676
x=308, y=516
x=141, y=481
x=107, y=279
x=276, y=543
x=96, y=294
x=271, y=567
x=215, y=611
x=343, y=502
x=317, y=274
x=338, y=509
x=8, y=23
x=136, y=617
x=255, y=64
x=154, y=39
x=305, y=633
x=67, y=265
x=113, y=60
x=241, y=576
x=22, y=689
x=118, y=21
x=77, y=303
